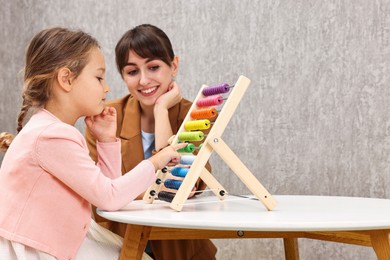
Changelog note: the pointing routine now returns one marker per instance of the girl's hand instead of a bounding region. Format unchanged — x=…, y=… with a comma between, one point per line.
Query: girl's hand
x=173, y=162
x=170, y=98
x=103, y=126
x=167, y=156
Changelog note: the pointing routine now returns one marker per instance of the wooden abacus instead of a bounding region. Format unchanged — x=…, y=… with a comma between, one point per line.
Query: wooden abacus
x=213, y=142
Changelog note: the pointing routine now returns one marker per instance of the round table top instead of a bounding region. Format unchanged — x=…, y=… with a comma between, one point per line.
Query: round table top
x=292, y=213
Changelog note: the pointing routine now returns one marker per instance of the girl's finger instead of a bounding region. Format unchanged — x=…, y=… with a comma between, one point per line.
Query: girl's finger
x=179, y=146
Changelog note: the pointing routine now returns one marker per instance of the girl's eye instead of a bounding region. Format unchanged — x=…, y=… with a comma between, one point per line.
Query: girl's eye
x=99, y=78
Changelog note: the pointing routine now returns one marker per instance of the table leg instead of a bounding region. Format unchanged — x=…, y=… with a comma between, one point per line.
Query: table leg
x=134, y=242
x=291, y=251
x=381, y=244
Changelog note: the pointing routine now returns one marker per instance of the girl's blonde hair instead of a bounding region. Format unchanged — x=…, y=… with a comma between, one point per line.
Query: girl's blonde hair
x=50, y=50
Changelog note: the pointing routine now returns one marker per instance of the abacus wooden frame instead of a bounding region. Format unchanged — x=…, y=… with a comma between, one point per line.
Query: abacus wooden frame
x=214, y=142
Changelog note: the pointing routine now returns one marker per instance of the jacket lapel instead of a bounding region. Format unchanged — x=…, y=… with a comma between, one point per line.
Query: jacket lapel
x=130, y=135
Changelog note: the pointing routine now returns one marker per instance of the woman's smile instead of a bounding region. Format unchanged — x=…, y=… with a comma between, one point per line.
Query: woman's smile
x=149, y=91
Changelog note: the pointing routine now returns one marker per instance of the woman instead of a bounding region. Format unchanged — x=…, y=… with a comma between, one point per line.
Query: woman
x=147, y=117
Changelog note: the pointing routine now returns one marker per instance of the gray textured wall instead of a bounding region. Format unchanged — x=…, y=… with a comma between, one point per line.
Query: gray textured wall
x=315, y=118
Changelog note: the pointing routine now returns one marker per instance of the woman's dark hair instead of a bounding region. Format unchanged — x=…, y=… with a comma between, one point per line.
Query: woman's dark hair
x=147, y=41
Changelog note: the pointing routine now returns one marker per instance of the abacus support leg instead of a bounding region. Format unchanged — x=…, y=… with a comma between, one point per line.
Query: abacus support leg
x=213, y=184
x=242, y=172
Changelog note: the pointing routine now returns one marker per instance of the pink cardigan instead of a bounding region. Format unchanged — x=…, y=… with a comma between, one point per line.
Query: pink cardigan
x=48, y=180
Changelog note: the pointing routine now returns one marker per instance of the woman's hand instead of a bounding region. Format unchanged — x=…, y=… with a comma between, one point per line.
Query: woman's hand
x=103, y=126
x=170, y=98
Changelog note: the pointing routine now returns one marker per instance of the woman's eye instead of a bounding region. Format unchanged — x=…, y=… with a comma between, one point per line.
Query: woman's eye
x=153, y=68
x=132, y=72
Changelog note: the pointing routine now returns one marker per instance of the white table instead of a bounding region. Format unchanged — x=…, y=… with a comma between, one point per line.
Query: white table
x=360, y=221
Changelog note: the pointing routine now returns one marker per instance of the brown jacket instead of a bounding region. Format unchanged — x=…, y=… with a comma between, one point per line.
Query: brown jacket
x=129, y=131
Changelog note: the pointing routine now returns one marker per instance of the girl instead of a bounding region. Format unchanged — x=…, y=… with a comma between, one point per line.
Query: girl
x=148, y=117
x=47, y=179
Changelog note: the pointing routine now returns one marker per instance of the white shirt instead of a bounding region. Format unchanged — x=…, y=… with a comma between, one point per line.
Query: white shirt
x=147, y=143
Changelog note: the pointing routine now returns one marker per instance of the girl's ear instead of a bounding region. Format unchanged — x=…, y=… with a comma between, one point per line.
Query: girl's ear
x=175, y=66
x=64, y=78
